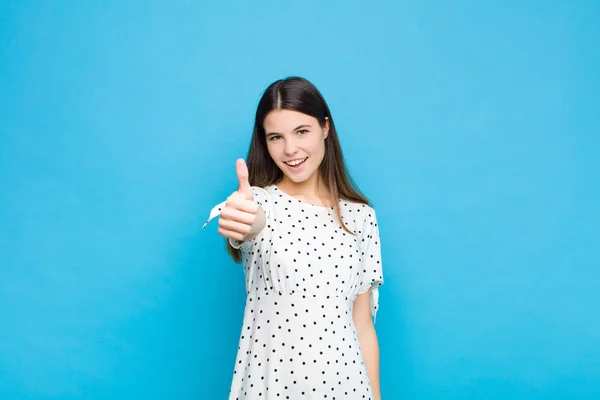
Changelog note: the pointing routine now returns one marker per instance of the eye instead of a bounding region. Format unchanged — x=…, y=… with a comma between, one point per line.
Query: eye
x=274, y=137
x=302, y=131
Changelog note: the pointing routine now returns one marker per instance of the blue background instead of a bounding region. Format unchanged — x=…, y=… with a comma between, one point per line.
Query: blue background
x=474, y=127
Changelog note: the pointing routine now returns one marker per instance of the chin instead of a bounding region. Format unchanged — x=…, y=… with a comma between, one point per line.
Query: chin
x=297, y=179
x=301, y=178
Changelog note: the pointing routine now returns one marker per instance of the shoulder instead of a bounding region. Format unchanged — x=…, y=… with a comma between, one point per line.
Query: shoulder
x=361, y=216
x=260, y=192
x=360, y=210
x=263, y=196
x=266, y=191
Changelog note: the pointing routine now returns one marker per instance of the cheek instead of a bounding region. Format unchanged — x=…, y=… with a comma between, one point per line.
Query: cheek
x=309, y=144
x=273, y=151
x=317, y=147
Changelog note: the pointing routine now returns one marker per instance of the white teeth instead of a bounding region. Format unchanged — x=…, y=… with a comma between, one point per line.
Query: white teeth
x=296, y=162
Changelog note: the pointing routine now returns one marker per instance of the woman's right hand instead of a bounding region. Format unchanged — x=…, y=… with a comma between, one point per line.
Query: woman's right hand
x=242, y=218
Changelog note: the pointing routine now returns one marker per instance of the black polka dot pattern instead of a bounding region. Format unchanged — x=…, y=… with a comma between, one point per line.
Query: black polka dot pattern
x=303, y=272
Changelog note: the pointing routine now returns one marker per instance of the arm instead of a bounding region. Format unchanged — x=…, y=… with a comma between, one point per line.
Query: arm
x=367, y=337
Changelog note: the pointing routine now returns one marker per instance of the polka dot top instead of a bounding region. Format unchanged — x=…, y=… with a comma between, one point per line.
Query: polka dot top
x=303, y=272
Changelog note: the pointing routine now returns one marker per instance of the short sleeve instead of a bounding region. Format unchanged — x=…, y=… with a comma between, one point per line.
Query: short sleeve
x=372, y=273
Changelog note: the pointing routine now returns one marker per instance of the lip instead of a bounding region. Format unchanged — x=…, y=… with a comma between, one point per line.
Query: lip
x=297, y=167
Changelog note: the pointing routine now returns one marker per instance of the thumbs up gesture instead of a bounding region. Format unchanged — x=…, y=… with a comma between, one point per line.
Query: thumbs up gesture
x=242, y=218
x=244, y=187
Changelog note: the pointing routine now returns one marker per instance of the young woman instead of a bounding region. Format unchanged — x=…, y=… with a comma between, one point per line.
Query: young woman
x=309, y=243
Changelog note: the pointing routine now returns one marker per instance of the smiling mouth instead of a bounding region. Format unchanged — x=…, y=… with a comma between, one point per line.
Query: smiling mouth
x=296, y=163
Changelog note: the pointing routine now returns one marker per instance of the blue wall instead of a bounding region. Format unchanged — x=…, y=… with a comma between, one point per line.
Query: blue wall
x=474, y=129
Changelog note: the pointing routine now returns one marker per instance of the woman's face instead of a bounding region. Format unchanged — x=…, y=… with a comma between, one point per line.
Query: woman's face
x=294, y=137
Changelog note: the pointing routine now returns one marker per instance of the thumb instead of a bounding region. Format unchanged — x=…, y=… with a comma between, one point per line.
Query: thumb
x=244, y=185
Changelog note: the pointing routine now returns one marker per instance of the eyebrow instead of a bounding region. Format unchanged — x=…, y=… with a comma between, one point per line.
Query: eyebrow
x=295, y=129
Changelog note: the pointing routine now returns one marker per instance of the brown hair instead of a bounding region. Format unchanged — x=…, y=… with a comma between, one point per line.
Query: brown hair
x=298, y=94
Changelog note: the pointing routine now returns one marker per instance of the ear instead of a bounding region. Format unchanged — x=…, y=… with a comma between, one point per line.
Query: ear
x=326, y=129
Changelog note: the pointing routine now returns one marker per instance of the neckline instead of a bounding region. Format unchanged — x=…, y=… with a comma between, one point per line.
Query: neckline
x=298, y=200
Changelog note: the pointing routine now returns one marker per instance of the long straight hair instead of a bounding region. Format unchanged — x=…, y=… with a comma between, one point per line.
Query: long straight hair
x=298, y=94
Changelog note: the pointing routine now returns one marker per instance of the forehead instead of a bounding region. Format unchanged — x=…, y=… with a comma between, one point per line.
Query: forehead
x=286, y=121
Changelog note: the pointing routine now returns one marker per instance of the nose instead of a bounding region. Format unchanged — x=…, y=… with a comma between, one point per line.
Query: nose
x=290, y=146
